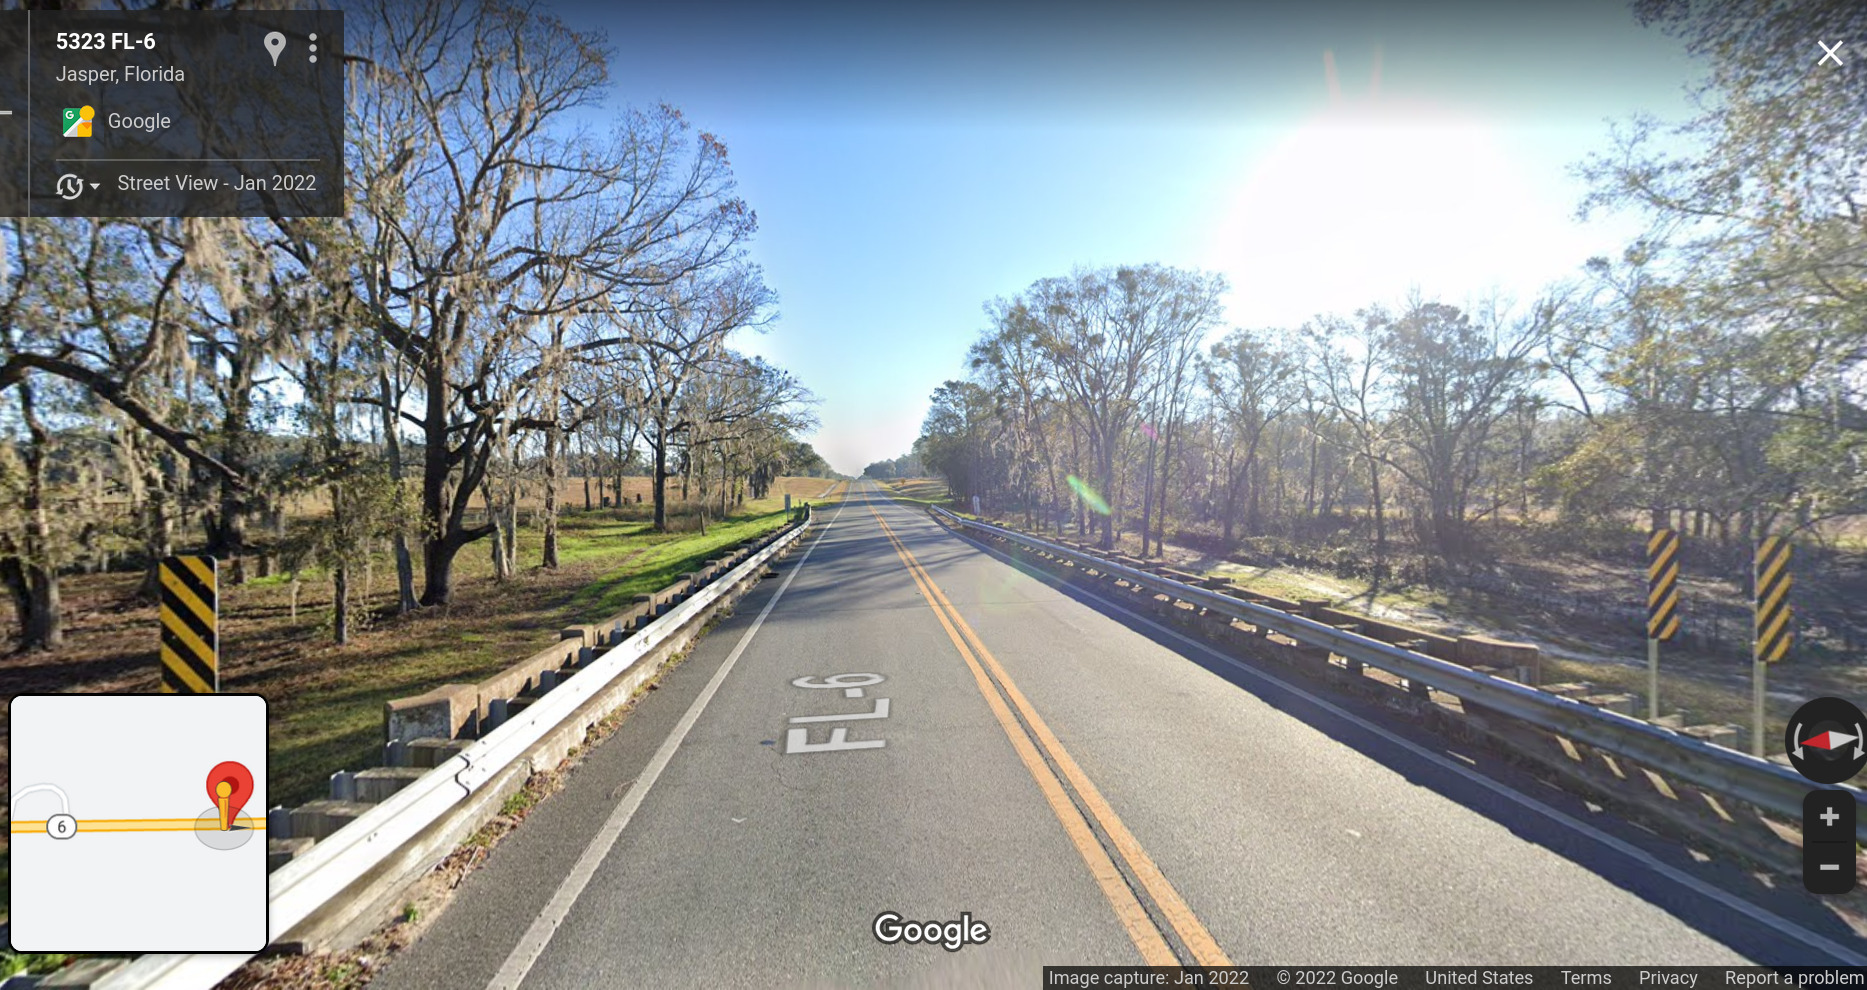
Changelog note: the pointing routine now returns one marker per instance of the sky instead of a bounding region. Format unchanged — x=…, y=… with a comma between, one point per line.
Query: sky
x=911, y=162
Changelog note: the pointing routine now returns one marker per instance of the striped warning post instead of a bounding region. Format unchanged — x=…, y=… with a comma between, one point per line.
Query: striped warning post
x=1662, y=584
x=1773, y=633
x=190, y=625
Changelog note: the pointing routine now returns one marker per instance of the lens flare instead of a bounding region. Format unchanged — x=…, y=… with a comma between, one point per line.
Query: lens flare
x=1088, y=495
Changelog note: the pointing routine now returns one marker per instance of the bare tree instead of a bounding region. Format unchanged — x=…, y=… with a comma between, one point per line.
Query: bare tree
x=1254, y=380
x=506, y=217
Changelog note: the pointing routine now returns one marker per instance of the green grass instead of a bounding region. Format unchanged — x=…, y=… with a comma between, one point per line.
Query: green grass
x=920, y=491
x=516, y=804
x=657, y=561
x=12, y=963
x=331, y=718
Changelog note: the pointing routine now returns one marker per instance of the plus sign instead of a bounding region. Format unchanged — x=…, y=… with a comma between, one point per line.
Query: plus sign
x=1829, y=817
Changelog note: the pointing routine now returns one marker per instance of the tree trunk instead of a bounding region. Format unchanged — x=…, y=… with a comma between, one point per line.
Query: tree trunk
x=440, y=545
x=227, y=538
x=1254, y=510
x=437, y=559
x=340, y=579
x=1380, y=515
x=36, y=582
x=1166, y=479
x=1105, y=464
x=340, y=574
x=450, y=475
x=550, y=561
x=495, y=515
x=511, y=534
x=1309, y=486
x=392, y=446
x=501, y=570
x=1082, y=510
x=1147, y=496
x=159, y=523
x=660, y=445
x=1231, y=495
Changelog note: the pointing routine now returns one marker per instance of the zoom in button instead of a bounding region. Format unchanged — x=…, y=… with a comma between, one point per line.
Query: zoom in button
x=1828, y=818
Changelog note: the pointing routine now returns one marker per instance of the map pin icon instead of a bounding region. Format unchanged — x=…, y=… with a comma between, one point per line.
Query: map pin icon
x=275, y=43
x=229, y=785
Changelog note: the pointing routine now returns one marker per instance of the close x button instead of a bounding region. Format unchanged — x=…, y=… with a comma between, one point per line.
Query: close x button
x=1828, y=841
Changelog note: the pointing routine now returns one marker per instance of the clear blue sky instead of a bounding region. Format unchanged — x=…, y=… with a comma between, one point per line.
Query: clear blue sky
x=909, y=163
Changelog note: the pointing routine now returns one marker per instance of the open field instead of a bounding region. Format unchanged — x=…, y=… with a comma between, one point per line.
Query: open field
x=570, y=495
x=324, y=701
x=922, y=491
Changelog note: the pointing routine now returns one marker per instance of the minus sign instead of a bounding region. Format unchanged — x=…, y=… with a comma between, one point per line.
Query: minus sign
x=6, y=113
x=1825, y=867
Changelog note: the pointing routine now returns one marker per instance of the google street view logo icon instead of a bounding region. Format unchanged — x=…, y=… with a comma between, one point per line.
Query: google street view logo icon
x=78, y=121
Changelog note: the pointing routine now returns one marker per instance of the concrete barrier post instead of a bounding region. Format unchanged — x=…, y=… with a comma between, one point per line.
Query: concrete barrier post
x=1488, y=652
x=320, y=818
x=446, y=712
x=343, y=786
x=378, y=784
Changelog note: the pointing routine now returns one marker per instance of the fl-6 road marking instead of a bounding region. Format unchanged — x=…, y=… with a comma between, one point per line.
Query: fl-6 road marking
x=1147, y=936
x=797, y=740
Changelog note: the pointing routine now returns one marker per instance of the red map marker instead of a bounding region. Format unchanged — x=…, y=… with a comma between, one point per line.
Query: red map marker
x=240, y=787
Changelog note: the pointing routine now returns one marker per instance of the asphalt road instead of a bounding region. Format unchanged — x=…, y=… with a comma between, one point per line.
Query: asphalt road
x=1091, y=787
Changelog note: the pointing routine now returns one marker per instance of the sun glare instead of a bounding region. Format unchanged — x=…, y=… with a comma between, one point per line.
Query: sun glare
x=1371, y=192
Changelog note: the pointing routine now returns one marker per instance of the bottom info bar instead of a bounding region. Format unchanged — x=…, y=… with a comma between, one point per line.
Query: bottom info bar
x=1442, y=977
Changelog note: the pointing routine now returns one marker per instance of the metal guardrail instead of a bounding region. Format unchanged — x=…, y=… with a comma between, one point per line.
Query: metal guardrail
x=308, y=882
x=1766, y=785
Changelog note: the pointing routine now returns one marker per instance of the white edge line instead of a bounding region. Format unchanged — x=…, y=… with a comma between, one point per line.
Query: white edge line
x=1633, y=852
x=532, y=944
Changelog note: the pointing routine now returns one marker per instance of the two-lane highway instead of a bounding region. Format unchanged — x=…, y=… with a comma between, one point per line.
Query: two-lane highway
x=904, y=722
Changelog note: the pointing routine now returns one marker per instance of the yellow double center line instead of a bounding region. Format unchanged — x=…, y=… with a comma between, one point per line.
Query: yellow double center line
x=138, y=825
x=1128, y=908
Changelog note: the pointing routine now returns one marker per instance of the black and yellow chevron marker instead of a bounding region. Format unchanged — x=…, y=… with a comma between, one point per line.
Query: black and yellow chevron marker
x=1773, y=633
x=1662, y=584
x=190, y=625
